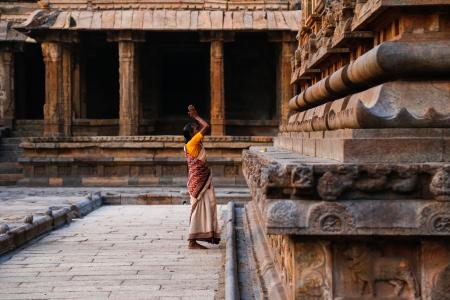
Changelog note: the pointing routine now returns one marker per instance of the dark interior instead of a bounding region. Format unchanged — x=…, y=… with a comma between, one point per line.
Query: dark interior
x=102, y=77
x=250, y=84
x=174, y=74
x=29, y=76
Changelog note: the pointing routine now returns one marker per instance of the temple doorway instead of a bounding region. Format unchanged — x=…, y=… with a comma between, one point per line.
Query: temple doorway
x=250, y=85
x=101, y=70
x=175, y=73
x=29, y=77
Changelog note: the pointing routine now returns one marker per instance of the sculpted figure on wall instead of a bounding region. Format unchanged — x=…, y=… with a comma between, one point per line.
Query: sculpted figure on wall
x=311, y=278
x=367, y=267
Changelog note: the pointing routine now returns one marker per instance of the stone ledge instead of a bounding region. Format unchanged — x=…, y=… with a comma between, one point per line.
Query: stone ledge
x=147, y=138
x=122, y=181
x=55, y=217
x=357, y=218
x=171, y=198
x=382, y=149
x=176, y=160
x=282, y=174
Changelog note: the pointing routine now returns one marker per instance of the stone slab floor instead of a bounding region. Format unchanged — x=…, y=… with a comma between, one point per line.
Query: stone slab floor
x=116, y=252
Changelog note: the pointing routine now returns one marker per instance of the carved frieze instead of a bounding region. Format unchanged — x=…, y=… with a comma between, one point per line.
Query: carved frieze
x=435, y=218
x=330, y=218
x=440, y=184
x=295, y=178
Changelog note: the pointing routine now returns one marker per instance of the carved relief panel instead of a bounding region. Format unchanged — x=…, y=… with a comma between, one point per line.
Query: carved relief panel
x=312, y=277
x=435, y=257
x=376, y=270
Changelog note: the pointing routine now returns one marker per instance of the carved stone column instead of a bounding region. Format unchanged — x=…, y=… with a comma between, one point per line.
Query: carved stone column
x=129, y=88
x=217, y=88
x=76, y=83
x=6, y=88
x=58, y=89
x=286, y=89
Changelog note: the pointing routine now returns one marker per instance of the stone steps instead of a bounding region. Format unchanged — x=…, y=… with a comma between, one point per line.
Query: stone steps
x=10, y=170
x=27, y=128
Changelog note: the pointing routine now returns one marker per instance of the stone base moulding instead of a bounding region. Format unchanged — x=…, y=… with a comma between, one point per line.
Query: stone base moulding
x=400, y=145
x=128, y=160
x=317, y=218
x=281, y=174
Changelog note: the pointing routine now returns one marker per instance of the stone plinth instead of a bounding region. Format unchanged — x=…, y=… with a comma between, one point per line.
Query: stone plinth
x=401, y=145
x=353, y=201
x=349, y=231
x=128, y=161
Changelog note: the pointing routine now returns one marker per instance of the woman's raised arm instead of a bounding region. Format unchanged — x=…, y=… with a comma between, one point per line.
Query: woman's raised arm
x=194, y=114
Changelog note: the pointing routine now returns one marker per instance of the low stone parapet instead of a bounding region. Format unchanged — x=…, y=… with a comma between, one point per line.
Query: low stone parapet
x=128, y=161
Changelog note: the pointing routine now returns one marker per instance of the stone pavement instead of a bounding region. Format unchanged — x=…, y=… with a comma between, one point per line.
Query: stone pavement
x=18, y=202
x=116, y=252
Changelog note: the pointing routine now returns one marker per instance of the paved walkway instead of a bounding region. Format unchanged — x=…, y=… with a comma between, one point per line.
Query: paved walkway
x=18, y=202
x=116, y=252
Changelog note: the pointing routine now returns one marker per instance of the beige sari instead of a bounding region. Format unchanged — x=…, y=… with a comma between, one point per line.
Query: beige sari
x=203, y=221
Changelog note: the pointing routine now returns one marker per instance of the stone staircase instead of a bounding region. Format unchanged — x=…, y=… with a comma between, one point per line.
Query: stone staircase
x=27, y=128
x=10, y=170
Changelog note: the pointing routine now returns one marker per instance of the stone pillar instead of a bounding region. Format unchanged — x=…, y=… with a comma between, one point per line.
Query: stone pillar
x=58, y=89
x=6, y=88
x=217, y=88
x=286, y=89
x=129, y=88
x=76, y=83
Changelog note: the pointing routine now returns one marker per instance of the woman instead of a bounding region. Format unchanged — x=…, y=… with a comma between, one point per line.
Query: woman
x=203, y=220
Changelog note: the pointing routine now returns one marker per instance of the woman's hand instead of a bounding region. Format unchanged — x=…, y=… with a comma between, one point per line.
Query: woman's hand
x=192, y=112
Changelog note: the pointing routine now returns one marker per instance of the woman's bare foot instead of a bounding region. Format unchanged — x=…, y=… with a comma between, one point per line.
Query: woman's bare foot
x=195, y=245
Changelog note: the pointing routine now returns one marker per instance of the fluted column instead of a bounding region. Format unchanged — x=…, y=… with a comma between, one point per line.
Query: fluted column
x=217, y=88
x=7, y=104
x=129, y=88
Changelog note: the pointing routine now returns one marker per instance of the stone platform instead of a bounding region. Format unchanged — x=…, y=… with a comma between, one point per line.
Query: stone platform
x=128, y=161
x=317, y=223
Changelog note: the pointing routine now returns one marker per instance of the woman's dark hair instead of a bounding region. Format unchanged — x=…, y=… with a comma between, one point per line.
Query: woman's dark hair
x=187, y=131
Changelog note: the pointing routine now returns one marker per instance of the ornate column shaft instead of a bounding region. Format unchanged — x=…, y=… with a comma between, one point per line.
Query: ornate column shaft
x=286, y=90
x=7, y=88
x=129, y=88
x=76, y=83
x=58, y=89
x=217, y=88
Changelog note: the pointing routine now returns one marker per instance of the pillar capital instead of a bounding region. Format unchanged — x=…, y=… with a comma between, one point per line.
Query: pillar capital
x=283, y=36
x=70, y=37
x=51, y=51
x=207, y=37
x=126, y=36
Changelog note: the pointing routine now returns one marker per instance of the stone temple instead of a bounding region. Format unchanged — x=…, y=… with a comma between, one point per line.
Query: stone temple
x=334, y=113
